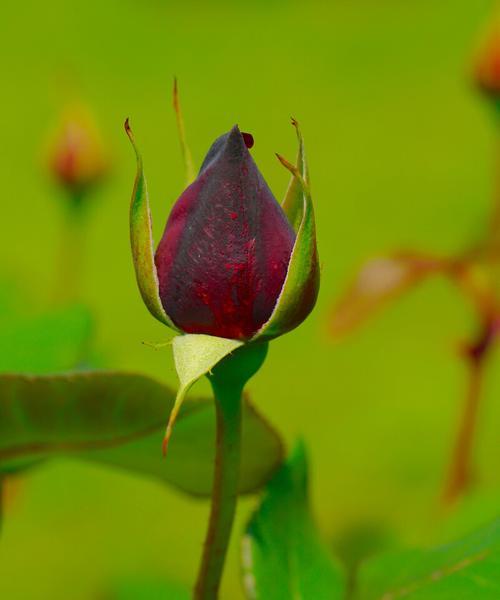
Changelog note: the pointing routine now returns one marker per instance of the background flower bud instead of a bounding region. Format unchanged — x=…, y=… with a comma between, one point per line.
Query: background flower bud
x=487, y=66
x=224, y=254
x=77, y=158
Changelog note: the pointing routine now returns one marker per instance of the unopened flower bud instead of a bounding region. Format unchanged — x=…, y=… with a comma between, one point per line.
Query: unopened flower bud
x=77, y=158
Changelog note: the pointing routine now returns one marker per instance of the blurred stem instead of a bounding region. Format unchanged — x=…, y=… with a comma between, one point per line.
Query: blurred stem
x=228, y=402
x=460, y=473
x=2, y=499
x=69, y=273
x=495, y=215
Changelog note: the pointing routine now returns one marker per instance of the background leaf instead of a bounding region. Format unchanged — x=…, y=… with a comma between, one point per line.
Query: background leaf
x=467, y=569
x=118, y=419
x=283, y=555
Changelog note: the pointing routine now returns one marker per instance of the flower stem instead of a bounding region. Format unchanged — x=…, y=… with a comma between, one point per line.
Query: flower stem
x=228, y=378
x=494, y=233
x=460, y=473
x=228, y=402
x=67, y=287
x=2, y=498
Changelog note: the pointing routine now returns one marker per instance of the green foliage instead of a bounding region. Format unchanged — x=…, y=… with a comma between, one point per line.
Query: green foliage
x=283, y=555
x=467, y=570
x=117, y=419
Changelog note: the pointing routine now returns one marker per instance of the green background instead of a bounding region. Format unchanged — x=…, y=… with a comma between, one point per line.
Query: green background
x=401, y=154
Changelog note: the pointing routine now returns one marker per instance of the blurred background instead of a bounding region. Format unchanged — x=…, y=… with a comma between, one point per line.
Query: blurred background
x=401, y=153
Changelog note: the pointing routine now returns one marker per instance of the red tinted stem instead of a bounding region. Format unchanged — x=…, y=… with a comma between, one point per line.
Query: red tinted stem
x=460, y=473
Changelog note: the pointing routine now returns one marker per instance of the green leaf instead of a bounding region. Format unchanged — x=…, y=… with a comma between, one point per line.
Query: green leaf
x=141, y=240
x=195, y=355
x=282, y=553
x=467, y=570
x=301, y=285
x=51, y=342
x=117, y=419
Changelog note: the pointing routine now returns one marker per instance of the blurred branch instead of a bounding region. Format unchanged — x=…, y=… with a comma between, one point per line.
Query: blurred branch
x=460, y=473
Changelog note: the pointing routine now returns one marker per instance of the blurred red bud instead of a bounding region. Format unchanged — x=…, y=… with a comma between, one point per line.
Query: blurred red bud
x=77, y=158
x=487, y=64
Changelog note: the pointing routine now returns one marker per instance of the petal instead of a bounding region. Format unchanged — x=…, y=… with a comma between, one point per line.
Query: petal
x=223, y=257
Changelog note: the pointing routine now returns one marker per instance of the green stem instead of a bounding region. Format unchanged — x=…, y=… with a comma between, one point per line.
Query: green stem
x=494, y=233
x=70, y=257
x=228, y=402
x=228, y=379
x=2, y=494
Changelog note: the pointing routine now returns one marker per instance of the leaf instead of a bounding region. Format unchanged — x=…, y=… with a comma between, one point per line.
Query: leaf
x=141, y=240
x=380, y=280
x=117, y=419
x=283, y=556
x=47, y=343
x=195, y=355
x=300, y=289
x=468, y=569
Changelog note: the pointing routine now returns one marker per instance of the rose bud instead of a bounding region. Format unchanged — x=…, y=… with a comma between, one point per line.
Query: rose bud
x=77, y=158
x=232, y=262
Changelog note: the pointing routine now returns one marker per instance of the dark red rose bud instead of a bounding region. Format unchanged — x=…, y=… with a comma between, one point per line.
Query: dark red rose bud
x=224, y=254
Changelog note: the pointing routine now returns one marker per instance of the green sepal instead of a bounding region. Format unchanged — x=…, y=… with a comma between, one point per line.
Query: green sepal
x=293, y=203
x=186, y=152
x=141, y=241
x=302, y=279
x=195, y=355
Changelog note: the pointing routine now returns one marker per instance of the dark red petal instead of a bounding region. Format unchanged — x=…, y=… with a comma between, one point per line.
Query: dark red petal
x=224, y=254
